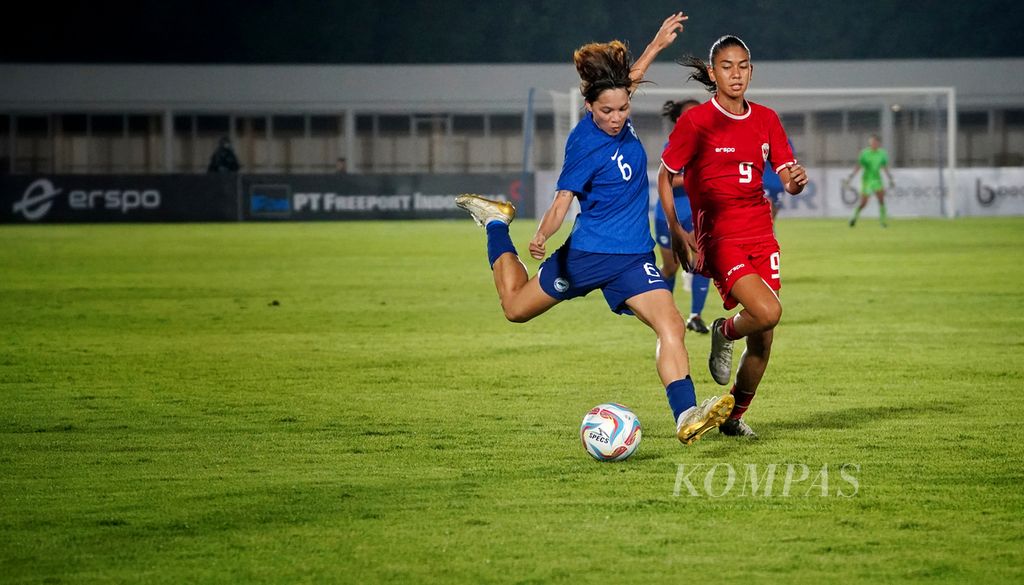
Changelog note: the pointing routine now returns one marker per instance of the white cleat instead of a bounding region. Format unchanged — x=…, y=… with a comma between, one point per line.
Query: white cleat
x=720, y=360
x=697, y=420
x=485, y=211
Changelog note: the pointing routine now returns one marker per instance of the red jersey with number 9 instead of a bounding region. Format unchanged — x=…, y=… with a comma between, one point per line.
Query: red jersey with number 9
x=724, y=156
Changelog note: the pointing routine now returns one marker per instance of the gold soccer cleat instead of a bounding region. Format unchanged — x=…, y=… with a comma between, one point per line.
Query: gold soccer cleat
x=698, y=420
x=484, y=210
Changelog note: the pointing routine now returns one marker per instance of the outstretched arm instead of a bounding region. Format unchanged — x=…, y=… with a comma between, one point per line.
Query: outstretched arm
x=550, y=223
x=668, y=32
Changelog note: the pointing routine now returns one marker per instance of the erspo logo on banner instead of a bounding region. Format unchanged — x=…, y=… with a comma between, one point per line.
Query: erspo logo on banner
x=37, y=200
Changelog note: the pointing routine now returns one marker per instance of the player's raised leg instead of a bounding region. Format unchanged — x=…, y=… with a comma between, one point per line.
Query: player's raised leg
x=720, y=358
x=521, y=297
x=761, y=312
x=485, y=210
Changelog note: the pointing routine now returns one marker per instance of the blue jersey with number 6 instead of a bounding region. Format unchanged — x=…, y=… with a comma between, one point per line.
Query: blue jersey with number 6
x=609, y=176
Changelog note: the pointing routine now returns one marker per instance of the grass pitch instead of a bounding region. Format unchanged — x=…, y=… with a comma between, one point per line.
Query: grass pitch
x=343, y=402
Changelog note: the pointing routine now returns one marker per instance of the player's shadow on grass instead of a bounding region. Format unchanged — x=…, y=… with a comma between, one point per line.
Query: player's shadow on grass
x=851, y=418
x=831, y=420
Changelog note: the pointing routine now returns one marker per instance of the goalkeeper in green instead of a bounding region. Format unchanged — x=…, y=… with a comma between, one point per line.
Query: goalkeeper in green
x=873, y=160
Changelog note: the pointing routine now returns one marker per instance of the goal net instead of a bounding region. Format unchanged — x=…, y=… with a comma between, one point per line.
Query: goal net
x=828, y=127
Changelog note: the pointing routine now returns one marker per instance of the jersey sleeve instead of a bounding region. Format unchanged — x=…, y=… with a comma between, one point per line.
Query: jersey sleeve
x=884, y=159
x=682, y=145
x=780, y=153
x=576, y=172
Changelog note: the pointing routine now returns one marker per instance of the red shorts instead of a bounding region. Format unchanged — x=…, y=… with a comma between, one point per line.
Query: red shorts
x=727, y=262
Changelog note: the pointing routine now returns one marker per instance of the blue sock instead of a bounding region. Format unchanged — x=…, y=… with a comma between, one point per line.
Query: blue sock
x=681, y=395
x=498, y=241
x=671, y=282
x=698, y=293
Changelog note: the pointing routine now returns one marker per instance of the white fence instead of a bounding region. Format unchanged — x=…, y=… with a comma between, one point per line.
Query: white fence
x=918, y=193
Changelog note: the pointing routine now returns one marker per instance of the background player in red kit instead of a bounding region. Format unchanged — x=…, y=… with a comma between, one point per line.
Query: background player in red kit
x=725, y=145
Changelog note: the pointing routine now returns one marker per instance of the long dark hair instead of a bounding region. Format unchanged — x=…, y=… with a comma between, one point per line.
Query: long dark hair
x=673, y=109
x=700, y=68
x=603, y=66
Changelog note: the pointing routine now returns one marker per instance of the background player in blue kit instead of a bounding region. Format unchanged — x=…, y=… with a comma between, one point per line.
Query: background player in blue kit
x=610, y=247
x=669, y=263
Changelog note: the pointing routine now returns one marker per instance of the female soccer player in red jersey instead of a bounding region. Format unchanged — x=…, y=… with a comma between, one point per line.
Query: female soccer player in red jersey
x=725, y=145
x=610, y=247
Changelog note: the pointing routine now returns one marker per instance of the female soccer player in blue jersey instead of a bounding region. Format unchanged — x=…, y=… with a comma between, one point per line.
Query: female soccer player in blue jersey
x=669, y=263
x=610, y=247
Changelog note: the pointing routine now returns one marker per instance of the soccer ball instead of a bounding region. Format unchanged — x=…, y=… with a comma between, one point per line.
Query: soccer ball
x=610, y=432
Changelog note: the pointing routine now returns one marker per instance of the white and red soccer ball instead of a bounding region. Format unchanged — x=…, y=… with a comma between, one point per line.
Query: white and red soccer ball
x=610, y=432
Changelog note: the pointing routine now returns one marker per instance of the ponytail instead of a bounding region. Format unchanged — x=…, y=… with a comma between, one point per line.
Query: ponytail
x=700, y=72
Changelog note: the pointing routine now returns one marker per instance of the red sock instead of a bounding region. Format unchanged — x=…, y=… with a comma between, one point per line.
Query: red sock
x=743, y=400
x=729, y=328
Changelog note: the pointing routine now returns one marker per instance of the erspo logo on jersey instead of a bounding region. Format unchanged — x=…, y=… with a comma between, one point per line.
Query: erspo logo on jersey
x=734, y=269
x=38, y=198
x=725, y=149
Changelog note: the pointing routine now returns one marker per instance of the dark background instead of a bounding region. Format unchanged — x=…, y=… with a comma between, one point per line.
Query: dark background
x=447, y=31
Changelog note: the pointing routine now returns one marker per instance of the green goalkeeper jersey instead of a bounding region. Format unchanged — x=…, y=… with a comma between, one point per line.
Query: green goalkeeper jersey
x=872, y=162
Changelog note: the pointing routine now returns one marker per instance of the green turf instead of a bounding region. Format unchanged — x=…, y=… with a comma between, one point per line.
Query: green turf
x=343, y=402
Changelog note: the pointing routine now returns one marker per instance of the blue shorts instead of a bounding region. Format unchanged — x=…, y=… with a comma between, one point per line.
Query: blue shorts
x=683, y=212
x=569, y=273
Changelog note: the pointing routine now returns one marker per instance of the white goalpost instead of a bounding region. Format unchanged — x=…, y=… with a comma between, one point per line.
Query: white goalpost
x=829, y=126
